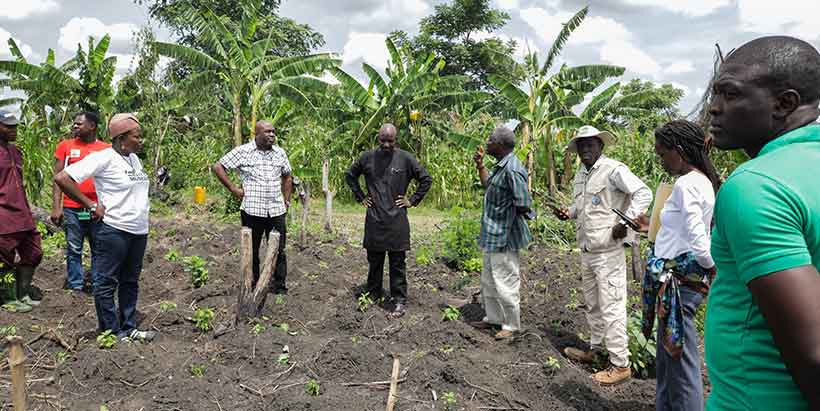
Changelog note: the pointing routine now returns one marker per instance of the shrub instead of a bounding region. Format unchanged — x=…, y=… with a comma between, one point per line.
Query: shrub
x=642, y=351
x=202, y=319
x=459, y=241
x=195, y=265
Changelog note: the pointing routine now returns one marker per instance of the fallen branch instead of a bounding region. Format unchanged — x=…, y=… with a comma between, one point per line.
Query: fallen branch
x=391, y=396
x=370, y=384
x=253, y=390
x=478, y=387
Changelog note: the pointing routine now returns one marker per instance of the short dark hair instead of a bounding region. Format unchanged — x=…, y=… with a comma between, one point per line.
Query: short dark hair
x=91, y=117
x=783, y=63
x=504, y=136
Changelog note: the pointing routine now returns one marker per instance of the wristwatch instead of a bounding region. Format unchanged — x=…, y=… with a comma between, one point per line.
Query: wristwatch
x=93, y=208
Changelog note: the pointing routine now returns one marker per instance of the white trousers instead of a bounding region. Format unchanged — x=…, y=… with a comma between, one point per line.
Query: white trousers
x=499, y=289
x=603, y=277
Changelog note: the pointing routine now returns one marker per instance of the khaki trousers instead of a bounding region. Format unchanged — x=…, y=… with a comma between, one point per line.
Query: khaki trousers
x=499, y=289
x=603, y=277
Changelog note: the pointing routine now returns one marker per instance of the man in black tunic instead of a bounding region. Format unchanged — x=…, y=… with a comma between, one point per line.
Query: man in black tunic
x=387, y=172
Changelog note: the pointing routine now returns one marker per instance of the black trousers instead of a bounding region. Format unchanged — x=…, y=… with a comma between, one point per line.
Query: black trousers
x=262, y=226
x=398, y=274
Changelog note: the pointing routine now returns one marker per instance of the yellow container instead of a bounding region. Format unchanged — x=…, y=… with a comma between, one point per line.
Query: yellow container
x=661, y=195
x=199, y=195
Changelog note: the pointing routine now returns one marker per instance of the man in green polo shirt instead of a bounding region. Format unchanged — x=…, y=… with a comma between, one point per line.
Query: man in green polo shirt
x=763, y=320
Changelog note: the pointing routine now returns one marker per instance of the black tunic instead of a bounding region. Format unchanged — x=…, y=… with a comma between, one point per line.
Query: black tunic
x=387, y=176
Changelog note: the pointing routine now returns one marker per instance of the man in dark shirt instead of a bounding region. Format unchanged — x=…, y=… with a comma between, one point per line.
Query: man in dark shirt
x=18, y=234
x=387, y=171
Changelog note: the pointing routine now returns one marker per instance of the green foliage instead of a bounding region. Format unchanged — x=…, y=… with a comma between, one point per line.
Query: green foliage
x=60, y=357
x=425, y=256
x=280, y=299
x=8, y=330
x=198, y=370
x=172, y=255
x=257, y=329
x=202, y=319
x=551, y=365
x=450, y=313
x=167, y=306
x=312, y=388
x=700, y=319
x=642, y=351
x=573, y=303
x=283, y=359
x=195, y=265
x=51, y=244
x=364, y=302
x=106, y=340
x=459, y=241
x=449, y=400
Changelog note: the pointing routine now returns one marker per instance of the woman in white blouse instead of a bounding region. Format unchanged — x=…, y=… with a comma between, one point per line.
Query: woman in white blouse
x=680, y=267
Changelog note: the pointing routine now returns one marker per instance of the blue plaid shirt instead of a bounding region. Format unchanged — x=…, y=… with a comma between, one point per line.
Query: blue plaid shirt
x=503, y=228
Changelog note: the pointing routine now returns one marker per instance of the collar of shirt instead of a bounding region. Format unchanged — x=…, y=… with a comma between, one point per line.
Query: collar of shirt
x=503, y=162
x=805, y=134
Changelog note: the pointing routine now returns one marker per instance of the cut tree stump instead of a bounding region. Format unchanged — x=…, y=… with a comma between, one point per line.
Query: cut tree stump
x=252, y=296
x=17, y=360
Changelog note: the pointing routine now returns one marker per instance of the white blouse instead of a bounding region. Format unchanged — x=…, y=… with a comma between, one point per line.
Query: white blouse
x=686, y=220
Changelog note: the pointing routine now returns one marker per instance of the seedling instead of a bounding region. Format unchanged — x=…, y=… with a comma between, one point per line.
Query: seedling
x=364, y=302
x=202, y=318
x=167, y=306
x=198, y=370
x=449, y=399
x=106, y=340
x=450, y=314
x=283, y=358
x=340, y=250
x=257, y=329
x=195, y=265
x=280, y=299
x=551, y=364
x=172, y=255
x=60, y=357
x=8, y=330
x=573, y=303
x=312, y=388
x=355, y=339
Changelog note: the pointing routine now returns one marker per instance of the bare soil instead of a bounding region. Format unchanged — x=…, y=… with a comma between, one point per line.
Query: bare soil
x=329, y=339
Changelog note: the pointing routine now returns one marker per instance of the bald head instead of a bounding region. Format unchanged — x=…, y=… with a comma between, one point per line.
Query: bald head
x=387, y=137
x=781, y=63
x=265, y=135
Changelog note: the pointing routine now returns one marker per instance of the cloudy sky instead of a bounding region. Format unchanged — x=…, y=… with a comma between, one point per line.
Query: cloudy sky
x=668, y=41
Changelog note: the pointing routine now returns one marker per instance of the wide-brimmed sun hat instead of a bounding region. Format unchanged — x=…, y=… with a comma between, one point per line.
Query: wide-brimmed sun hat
x=590, y=131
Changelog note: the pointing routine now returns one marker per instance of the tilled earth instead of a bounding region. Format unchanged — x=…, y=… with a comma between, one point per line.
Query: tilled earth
x=328, y=338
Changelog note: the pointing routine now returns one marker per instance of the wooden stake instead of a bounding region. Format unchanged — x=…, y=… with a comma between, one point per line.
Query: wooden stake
x=305, y=197
x=394, y=380
x=17, y=361
x=252, y=294
x=260, y=290
x=636, y=257
x=328, y=195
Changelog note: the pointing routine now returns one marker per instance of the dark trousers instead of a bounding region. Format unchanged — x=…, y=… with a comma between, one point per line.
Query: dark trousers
x=118, y=264
x=398, y=271
x=679, y=381
x=262, y=226
x=76, y=232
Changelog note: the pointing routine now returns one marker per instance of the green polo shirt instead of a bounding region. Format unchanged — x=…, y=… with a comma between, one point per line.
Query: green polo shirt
x=767, y=219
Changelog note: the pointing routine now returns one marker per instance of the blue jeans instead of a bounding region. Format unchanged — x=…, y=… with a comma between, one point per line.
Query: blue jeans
x=679, y=383
x=76, y=232
x=119, y=262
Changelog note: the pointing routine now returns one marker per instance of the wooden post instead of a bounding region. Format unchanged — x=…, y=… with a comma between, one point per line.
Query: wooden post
x=328, y=195
x=252, y=295
x=394, y=382
x=636, y=258
x=17, y=361
x=305, y=197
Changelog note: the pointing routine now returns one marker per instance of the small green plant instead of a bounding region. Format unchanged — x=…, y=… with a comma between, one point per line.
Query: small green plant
x=106, y=340
x=60, y=357
x=700, y=319
x=8, y=330
x=364, y=301
x=449, y=399
x=340, y=250
x=551, y=364
x=280, y=299
x=641, y=350
x=167, y=306
x=198, y=370
x=312, y=387
x=284, y=327
x=202, y=318
x=459, y=246
x=172, y=255
x=355, y=339
x=195, y=265
x=257, y=329
x=450, y=314
x=573, y=303
x=283, y=358
x=425, y=256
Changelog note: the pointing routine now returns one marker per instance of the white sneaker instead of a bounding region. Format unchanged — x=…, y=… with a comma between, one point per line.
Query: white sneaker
x=145, y=336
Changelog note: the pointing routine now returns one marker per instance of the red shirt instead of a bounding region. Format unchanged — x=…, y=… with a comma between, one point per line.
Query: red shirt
x=72, y=151
x=15, y=215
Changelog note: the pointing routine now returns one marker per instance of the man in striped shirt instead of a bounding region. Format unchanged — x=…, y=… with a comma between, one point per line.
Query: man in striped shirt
x=504, y=231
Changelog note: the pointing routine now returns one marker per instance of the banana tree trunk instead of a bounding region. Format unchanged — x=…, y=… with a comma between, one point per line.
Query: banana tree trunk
x=525, y=140
x=237, y=119
x=568, y=163
x=550, y=159
x=254, y=110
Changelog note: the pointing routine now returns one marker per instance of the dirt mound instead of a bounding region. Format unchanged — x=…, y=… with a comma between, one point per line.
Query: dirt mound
x=325, y=337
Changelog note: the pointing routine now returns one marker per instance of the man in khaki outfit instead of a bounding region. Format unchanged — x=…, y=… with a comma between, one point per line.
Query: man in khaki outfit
x=601, y=185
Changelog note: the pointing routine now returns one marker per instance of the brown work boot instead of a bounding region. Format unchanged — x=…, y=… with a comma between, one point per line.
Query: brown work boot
x=587, y=357
x=613, y=375
x=504, y=335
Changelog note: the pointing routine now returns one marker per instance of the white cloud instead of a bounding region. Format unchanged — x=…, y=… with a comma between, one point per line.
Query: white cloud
x=545, y=25
x=794, y=17
x=507, y=4
x=598, y=29
x=408, y=10
x=125, y=61
x=694, y=8
x=5, y=53
x=626, y=54
x=16, y=10
x=679, y=67
x=684, y=87
x=77, y=30
x=366, y=46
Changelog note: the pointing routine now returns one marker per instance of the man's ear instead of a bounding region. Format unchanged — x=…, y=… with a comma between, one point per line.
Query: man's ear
x=786, y=103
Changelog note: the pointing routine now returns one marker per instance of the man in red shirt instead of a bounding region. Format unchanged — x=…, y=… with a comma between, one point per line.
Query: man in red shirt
x=18, y=234
x=76, y=220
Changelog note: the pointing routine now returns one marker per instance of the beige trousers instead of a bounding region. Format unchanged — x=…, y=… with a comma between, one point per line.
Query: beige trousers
x=603, y=277
x=499, y=289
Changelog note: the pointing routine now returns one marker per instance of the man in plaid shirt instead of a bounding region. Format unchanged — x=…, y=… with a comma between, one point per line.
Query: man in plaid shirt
x=267, y=185
x=504, y=231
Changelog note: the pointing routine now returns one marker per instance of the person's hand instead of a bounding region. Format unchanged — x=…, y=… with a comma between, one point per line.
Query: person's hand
x=643, y=223
x=619, y=231
x=99, y=213
x=57, y=216
x=561, y=213
x=403, y=202
x=712, y=272
x=478, y=157
x=238, y=193
x=367, y=202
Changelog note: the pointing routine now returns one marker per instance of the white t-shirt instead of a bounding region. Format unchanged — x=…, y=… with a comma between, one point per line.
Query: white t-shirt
x=122, y=188
x=686, y=218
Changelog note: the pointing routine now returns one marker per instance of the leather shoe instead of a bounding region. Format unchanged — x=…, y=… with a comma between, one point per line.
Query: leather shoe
x=613, y=375
x=504, y=335
x=575, y=354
